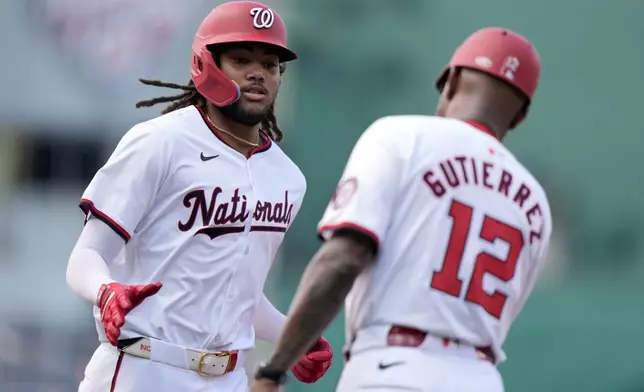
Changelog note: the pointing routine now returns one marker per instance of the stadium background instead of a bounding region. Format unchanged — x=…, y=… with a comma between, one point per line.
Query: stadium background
x=68, y=83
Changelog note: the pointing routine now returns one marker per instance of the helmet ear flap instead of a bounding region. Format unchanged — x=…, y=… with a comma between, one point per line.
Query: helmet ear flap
x=211, y=82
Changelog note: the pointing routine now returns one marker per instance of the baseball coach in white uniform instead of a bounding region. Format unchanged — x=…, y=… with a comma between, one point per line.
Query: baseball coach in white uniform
x=435, y=236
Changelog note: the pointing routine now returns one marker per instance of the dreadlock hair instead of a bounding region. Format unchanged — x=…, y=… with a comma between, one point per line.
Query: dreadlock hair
x=190, y=96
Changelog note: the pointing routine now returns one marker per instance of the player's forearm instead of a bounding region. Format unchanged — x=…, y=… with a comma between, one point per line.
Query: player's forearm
x=268, y=321
x=322, y=291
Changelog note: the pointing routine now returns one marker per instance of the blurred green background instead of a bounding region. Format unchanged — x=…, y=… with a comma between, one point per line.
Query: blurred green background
x=67, y=100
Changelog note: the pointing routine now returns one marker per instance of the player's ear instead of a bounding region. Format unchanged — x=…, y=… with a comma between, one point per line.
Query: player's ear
x=451, y=84
x=519, y=117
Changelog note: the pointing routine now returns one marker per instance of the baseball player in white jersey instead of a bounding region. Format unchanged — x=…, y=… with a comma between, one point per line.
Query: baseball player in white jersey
x=436, y=232
x=185, y=218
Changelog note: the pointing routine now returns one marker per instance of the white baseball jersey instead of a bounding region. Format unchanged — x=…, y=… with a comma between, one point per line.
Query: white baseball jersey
x=462, y=228
x=201, y=218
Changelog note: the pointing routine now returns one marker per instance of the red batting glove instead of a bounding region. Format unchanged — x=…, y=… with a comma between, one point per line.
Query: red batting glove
x=116, y=300
x=314, y=364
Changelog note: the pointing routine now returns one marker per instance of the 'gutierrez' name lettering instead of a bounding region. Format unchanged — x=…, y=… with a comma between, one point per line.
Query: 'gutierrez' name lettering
x=233, y=211
x=461, y=171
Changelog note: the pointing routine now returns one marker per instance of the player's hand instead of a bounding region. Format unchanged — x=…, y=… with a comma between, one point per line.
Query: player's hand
x=315, y=363
x=264, y=385
x=116, y=300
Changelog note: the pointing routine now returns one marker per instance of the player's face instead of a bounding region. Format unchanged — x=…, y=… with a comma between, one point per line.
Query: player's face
x=256, y=70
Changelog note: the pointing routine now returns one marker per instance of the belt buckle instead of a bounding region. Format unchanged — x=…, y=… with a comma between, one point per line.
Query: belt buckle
x=202, y=358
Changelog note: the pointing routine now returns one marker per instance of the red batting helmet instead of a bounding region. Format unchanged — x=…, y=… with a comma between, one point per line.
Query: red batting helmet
x=231, y=22
x=501, y=53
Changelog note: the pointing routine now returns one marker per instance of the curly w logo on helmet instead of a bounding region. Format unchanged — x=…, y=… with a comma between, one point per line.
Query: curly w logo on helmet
x=262, y=17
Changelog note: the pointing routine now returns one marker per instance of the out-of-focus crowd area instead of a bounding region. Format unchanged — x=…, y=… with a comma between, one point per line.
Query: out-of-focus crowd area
x=68, y=84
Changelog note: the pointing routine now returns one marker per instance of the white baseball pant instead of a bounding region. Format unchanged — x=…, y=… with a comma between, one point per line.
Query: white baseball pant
x=431, y=367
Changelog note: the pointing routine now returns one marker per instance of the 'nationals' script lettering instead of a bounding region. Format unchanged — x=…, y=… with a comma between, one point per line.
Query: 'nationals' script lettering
x=218, y=217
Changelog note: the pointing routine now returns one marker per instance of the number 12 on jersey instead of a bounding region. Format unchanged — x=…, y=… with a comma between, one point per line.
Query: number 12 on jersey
x=446, y=279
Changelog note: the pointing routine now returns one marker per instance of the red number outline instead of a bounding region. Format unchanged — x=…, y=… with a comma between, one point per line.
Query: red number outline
x=446, y=279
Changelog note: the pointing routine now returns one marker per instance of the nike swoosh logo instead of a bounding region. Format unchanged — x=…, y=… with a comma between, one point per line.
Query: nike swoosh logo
x=205, y=158
x=383, y=366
